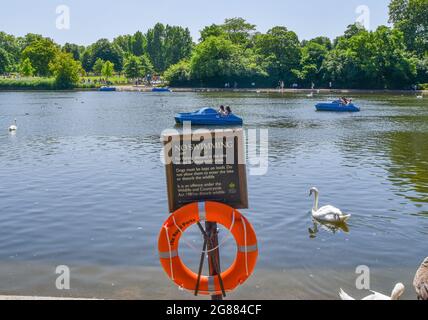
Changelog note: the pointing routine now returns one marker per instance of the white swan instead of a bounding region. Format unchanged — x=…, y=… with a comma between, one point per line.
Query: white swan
x=396, y=294
x=13, y=127
x=327, y=214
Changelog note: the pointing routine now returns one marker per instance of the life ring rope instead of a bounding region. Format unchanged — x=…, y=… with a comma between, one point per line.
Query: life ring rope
x=191, y=246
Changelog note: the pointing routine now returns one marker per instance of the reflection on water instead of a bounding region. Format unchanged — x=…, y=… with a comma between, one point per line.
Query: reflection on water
x=408, y=152
x=81, y=184
x=329, y=227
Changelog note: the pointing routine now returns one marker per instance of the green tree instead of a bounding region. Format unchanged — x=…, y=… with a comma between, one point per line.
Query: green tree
x=66, y=70
x=133, y=67
x=28, y=39
x=26, y=69
x=86, y=60
x=411, y=17
x=178, y=45
x=313, y=55
x=280, y=54
x=124, y=43
x=107, y=51
x=324, y=41
x=178, y=74
x=167, y=45
x=155, y=46
x=41, y=53
x=239, y=30
x=138, y=44
x=74, y=49
x=11, y=45
x=108, y=69
x=146, y=65
x=4, y=61
x=213, y=30
x=98, y=66
x=371, y=60
x=218, y=60
x=395, y=67
x=422, y=69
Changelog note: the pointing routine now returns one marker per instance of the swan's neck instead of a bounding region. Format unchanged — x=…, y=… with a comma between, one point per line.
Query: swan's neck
x=397, y=293
x=316, y=201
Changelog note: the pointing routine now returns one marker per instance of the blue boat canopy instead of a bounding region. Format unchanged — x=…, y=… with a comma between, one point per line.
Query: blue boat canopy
x=207, y=110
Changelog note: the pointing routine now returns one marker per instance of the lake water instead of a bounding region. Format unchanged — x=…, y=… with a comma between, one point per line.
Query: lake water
x=82, y=185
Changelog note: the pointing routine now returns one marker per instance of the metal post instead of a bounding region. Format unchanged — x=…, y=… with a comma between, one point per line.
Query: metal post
x=214, y=256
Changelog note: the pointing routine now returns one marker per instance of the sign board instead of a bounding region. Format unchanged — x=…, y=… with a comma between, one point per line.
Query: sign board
x=206, y=166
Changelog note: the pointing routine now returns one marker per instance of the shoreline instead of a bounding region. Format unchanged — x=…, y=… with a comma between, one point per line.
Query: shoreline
x=143, y=89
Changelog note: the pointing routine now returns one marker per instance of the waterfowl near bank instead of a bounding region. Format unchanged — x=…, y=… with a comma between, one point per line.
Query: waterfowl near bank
x=327, y=214
x=421, y=281
x=396, y=294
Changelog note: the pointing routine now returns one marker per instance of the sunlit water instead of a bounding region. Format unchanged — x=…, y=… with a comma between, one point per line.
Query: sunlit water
x=82, y=185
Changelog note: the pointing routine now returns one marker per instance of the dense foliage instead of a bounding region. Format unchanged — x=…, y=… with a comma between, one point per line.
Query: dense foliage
x=66, y=70
x=234, y=54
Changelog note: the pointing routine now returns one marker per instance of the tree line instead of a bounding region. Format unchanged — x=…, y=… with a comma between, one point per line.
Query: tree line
x=235, y=54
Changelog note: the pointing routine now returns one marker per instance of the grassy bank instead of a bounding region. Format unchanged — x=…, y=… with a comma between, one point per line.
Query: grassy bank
x=36, y=83
x=27, y=84
x=123, y=84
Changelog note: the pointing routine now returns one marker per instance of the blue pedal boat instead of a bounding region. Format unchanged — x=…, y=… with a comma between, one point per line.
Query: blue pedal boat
x=208, y=117
x=107, y=89
x=337, y=106
x=164, y=89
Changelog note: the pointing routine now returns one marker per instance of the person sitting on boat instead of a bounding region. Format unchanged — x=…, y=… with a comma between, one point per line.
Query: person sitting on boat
x=228, y=111
x=222, y=111
x=344, y=101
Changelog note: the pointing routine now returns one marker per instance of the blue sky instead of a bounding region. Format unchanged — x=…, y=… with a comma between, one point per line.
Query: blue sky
x=94, y=19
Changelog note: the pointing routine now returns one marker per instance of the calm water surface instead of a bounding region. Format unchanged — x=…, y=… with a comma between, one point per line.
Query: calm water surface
x=81, y=184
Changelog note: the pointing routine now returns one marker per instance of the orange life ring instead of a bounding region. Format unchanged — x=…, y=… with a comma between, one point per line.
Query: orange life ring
x=241, y=229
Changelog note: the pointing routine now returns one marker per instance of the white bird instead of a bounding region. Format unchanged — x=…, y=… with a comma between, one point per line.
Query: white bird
x=396, y=294
x=327, y=214
x=419, y=97
x=13, y=127
x=310, y=95
x=421, y=281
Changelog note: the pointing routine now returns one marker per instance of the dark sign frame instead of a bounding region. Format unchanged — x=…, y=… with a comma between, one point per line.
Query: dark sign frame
x=235, y=174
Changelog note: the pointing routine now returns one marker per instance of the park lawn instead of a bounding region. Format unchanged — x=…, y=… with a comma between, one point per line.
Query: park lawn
x=116, y=79
x=48, y=83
